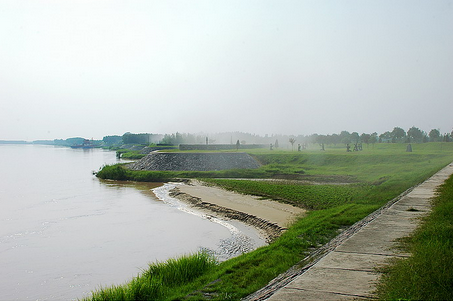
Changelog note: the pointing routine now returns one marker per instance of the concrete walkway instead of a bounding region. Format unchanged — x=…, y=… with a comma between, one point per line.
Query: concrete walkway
x=346, y=267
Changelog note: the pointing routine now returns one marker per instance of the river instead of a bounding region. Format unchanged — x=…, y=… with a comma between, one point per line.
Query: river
x=65, y=233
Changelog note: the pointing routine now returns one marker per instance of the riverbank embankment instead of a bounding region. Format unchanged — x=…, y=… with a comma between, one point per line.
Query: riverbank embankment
x=347, y=267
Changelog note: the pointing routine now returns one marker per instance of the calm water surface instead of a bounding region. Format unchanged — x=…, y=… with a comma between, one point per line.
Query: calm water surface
x=65, y=233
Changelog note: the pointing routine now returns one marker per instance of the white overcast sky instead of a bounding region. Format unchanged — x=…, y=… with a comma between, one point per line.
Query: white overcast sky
x=92, y=68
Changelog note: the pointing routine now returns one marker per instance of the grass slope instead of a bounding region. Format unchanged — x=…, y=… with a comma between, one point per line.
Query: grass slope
x=159, y=280
x=427, y=274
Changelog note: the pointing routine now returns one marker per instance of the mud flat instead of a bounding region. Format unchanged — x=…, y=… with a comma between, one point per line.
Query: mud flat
x=270, y=217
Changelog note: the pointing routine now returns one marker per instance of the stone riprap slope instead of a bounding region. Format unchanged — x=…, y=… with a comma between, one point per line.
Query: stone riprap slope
x=195, y=161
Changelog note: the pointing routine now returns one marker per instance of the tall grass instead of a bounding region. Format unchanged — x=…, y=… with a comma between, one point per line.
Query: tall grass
x=428, y=273
x=160, y=279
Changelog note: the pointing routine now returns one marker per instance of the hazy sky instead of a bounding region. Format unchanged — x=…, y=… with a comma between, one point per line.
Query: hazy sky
x=101, y=67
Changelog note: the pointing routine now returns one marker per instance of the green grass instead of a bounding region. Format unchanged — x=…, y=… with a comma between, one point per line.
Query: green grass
x=380, y=163
x=241, y=276
x=428, y=273
x=119, y=172
x=129, y=154
x=369, y=165
x=313, y=197
x=373, y=177
x=160, y=279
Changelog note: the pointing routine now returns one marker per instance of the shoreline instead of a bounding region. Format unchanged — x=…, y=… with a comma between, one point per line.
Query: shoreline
x=269, y=217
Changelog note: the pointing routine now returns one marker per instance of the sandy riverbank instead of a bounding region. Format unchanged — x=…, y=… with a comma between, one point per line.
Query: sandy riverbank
x=269, y=216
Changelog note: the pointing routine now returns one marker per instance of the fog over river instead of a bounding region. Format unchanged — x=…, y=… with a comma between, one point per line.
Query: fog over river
x=65, y=233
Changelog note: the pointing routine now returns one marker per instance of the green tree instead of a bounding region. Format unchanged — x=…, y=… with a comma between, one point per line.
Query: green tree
x=398, y=134
x=322, y=139
x=373, y=138
x=345, y=137
x=355, y=137
x=129, y=138
x=385, y=137
x=112, y=140
x=415, y=134
x=335, y=139
x=365, y=138
x=174, y=139
x=314, y=138
x=434, y=135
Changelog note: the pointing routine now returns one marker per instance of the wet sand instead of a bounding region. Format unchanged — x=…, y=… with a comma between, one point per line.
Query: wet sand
x=262, y=211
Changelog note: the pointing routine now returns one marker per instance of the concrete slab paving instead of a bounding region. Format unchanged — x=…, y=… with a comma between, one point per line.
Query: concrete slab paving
x=298, y=294
x=415, y=206
x=397, y=218
x=352, y=261
x=379, y=239
x=340, y=282
x=348, y=271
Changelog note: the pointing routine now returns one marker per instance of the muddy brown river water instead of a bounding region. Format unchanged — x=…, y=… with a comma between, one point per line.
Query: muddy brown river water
x=65, y=233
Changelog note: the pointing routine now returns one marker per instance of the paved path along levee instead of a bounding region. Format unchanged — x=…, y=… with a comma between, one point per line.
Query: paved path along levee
x=347, y=270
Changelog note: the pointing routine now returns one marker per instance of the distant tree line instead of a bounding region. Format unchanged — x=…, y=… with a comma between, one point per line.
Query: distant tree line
x=397, y=135
x=178, y=138
x=130, y=138
x=414, y=134
x=69, y=141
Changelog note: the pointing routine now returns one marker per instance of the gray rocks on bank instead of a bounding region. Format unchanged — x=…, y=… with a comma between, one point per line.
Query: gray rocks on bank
x=195, y=161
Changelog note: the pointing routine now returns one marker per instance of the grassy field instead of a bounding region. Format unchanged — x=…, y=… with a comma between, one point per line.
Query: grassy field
x=427, y=274
x=129, y=154
x=309, y=196
x=338, y=188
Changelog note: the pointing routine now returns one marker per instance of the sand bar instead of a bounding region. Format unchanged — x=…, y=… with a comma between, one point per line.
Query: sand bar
x=278, y=213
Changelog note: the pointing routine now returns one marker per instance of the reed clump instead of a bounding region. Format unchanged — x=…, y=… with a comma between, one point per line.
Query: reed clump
x=160, y=279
